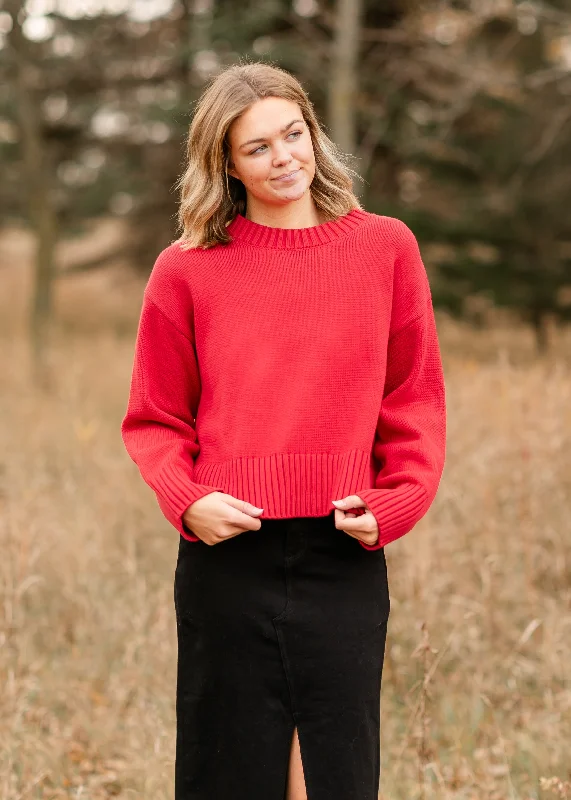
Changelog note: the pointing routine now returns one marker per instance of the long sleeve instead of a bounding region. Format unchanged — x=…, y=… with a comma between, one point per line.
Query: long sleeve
x=158, y=427
x=410, y=437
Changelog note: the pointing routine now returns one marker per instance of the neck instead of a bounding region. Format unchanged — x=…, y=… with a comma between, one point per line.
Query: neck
x=302, y=213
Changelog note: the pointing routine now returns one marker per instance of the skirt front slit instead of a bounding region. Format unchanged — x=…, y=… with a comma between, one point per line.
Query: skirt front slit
x=279, y=628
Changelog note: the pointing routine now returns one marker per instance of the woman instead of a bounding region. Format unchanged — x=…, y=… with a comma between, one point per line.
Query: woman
x=287, y=407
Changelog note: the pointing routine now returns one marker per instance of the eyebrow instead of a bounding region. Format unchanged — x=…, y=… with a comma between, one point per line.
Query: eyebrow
x=282, y=130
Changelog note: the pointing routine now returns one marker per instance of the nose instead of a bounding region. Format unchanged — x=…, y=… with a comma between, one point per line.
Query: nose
x=282, y=155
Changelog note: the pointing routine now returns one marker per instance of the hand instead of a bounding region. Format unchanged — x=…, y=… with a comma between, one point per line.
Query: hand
x=366, y=529
x=216, y=517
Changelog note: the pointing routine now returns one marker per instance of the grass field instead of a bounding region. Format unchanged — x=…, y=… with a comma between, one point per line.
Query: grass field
x=476, y=699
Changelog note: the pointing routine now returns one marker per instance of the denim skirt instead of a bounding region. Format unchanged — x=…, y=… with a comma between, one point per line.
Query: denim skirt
x=279, y=628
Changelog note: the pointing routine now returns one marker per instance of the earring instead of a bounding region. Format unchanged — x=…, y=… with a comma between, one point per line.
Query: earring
x=227, y=186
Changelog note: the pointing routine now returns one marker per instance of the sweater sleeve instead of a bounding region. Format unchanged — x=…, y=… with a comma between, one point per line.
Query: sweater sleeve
x=158, y=427
x=410, y=437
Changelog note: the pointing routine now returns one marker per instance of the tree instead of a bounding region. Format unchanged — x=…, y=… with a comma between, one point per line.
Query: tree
x=343, y=81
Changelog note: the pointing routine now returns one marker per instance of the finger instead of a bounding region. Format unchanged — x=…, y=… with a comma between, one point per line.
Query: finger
x=243, y=506
x=244, y=522
x=353, y=526
x=235, y=516
x=354, y=522
x=228, y=533
x=363, y=523
x=366, y=539
x=352, y=501
x=369, y=537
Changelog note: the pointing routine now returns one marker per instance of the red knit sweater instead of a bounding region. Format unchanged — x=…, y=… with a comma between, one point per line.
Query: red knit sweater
x=290, y=368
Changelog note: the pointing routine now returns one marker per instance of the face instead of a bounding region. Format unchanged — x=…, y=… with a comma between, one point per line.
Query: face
x=269, y=141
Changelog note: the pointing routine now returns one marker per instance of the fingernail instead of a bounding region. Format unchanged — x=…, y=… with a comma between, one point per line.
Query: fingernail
x=258, y=510
x=338, y=502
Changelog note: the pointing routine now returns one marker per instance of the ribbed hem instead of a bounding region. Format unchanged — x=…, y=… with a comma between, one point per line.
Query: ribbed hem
x=396, y=511
x=290, y=485
x=243, y=229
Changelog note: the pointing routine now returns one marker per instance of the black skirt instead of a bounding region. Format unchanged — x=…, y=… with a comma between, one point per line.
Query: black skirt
x=278, y=628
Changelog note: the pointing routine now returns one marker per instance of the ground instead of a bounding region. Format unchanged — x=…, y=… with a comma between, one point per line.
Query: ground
x=476, y=699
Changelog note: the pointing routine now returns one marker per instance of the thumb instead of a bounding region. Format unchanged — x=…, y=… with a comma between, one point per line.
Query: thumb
x=243, y=505
x=352, y=501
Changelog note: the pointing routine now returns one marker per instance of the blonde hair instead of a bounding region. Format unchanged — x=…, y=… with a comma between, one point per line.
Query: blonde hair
x=209, y=197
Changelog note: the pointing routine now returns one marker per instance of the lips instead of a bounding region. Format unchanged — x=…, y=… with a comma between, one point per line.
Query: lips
x=287, y=175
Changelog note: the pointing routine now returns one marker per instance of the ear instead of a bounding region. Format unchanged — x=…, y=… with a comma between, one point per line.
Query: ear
x=231, y=171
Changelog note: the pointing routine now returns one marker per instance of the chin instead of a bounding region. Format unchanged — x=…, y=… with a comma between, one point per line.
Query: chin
x=295, y=192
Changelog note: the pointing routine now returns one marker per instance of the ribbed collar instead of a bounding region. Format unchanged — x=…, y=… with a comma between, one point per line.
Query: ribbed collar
x=245, y=230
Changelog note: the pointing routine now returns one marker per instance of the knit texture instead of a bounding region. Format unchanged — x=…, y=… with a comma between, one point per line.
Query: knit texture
x=290, y=368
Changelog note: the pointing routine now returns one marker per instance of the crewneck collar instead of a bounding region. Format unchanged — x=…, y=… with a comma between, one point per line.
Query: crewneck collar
x=243, y=229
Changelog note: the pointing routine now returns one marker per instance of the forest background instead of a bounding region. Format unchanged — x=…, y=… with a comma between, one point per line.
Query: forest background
x=458, y=118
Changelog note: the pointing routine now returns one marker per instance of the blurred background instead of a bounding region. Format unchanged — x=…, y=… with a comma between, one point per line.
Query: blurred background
x=458, y=118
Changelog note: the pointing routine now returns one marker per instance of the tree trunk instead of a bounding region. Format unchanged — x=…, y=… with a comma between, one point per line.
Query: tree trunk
x=200, y=16
x=36, y=182
x=544, y=326
x=343, y=82
x=543, y=317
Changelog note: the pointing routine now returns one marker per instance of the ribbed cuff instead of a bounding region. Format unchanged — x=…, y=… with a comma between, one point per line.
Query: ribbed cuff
x=396, y=511
x=175, y=492
x=199, y=490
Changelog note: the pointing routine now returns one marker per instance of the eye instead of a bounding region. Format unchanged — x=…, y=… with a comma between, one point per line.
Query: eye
x=293, y=133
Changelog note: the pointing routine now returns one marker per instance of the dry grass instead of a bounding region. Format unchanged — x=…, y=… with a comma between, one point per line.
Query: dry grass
x=476, y=698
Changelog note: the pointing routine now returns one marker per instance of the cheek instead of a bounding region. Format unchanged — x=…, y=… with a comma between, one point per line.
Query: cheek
x=254, y=173
x=306, y=153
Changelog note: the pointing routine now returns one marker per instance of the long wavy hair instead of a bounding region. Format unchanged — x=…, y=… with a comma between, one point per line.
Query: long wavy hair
x=209, y=197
